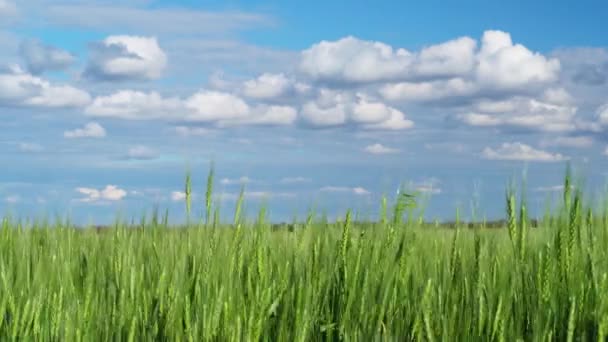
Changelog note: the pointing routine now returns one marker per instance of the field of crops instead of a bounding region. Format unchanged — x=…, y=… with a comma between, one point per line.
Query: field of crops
x=395, y=279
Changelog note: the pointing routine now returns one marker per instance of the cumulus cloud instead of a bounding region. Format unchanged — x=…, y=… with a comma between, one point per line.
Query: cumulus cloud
x=109, y=193
x=353, y=60
x=497, y=64
x=90, y=130
x=267, y=86
x=522, y=152
x=334, y=108
x=39, y=57
x=141, y=152
x=355, y=190
x=18, y=88
x=126, y=58
x=504, y=65
x=380, y=149
x=214, y=105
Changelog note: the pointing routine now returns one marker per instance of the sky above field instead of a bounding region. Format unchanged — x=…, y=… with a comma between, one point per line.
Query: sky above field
x=104, y=105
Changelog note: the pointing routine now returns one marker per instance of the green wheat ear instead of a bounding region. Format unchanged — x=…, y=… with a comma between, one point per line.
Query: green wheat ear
x=188, y=192
x=209, y=194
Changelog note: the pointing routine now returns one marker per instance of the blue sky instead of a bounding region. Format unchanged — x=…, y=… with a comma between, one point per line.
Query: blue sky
x=106, y=104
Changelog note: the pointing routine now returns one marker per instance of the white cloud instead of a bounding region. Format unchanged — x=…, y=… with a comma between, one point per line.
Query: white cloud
x=523, y=113
x=39, y=57
x=366, y=111
x=30, y=147
x=397, y=121
x=428, y=90
x=380, y=149
x=360, y=191
x=141, y=152
x=178, y=196
x=267, y=86
x=319, y=116
x=522, y=152
x=293, y=180
x=577, y=141
x=354, y=60
x=109, y=193
x=602, y=115
x=18, y=88
x=214, y=106
x=241, y=180
x=265, y=115
x=498, y=64
x=606, y=151
x=335, y=108
x=135, y=105
x=554, y=188
x=355, y=190
x=90, y=130
x=127, y=57
x=186, y=131
x=452, y=58
x=504, y=65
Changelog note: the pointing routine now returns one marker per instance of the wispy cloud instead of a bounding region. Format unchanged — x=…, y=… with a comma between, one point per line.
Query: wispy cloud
x=380, y=149
x=342, y=189
x=521, y=152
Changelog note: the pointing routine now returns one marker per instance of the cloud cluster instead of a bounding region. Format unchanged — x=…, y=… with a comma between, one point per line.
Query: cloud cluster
x=352, y=60
x=205, y=106
x=496, y=81
x=549, y=115
x=498, y=63
x=336, y=108
x=126, y=58
x=109, y=193
x=19, y=88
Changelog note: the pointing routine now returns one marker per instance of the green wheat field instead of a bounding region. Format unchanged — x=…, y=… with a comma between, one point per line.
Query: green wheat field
x=396, y=279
